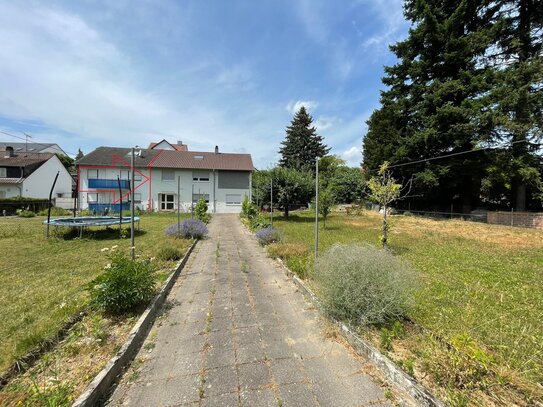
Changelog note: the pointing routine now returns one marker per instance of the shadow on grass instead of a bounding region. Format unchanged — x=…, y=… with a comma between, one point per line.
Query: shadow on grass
x=97, y=234
x=295, y=218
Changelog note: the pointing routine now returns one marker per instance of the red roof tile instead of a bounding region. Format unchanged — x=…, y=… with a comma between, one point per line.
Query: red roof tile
x=203, y=160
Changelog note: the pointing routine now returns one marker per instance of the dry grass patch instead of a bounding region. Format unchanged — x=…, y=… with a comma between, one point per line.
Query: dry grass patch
x=481, y=291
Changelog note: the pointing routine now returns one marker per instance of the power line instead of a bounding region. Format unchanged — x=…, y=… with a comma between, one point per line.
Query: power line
x=448, y=155
x=33, y=142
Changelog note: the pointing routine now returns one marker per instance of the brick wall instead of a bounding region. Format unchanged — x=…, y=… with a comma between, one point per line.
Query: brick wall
x=521, y=219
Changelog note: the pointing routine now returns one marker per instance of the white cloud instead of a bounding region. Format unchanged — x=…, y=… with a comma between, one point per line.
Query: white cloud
x=60, y=71
x=394, y=25
x=293, y=107
x=323, y=123
x=353, y=156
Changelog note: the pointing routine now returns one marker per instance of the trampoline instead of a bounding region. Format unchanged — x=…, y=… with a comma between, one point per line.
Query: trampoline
x=83, y=222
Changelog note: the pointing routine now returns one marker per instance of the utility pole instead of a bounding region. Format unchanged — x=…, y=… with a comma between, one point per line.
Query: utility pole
x=132, y=186
x=178, y=207
x=316, y=210
x=271, y=202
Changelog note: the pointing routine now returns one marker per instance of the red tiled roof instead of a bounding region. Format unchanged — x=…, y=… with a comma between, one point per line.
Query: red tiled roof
x=178, y=147
x=203, y=160
x=24, y=159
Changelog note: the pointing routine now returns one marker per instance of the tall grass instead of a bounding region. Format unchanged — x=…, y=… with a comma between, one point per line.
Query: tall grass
x=478, y=281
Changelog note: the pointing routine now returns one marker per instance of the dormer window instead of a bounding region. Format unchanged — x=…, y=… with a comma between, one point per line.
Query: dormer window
x=3, y=172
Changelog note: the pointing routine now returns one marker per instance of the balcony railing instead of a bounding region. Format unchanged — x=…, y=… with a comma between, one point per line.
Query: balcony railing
x=108, y=184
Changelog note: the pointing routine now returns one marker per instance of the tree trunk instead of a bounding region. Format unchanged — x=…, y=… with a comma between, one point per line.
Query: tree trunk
x=286, y=211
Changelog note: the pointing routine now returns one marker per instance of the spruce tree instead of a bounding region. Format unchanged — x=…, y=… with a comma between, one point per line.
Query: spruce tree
x=518, y=95
x=301, y=144
x=435, y=101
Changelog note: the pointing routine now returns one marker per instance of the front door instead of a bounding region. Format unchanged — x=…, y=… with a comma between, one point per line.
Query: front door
x=167, y=202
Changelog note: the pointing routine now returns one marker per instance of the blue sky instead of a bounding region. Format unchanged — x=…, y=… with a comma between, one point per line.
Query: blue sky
x=228, y=73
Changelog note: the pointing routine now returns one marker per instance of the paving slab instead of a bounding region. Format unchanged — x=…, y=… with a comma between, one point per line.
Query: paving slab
x=236, y=332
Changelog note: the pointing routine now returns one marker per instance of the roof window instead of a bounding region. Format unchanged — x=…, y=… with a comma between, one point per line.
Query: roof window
x=198, y=157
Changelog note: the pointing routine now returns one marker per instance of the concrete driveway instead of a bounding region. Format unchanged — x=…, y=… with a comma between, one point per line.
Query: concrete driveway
x=238, y=333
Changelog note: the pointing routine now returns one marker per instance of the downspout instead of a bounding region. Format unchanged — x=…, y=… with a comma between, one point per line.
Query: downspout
x=251, y=186
x=214, y=192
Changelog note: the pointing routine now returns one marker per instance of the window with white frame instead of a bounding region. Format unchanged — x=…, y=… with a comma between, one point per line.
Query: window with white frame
x=233, y=199
x=137, y=197
x=168, y=175
x=2, y=194
x=200, y=176
x=167, y=202
x=125, y=174
x=3, y=172
x=92, y=174
x=92, y=198
x=137, y=176
x=196, y=197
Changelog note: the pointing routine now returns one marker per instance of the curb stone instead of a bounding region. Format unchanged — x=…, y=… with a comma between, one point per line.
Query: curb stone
x=388, y=368
x=107, y=376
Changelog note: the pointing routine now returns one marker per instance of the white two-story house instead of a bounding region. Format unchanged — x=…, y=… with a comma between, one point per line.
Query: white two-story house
x=163, y=178
x=32, y=175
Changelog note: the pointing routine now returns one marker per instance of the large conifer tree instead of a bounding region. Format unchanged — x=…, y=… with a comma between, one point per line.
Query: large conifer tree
x=518, y=97
x=437, y=100
x=302, y=144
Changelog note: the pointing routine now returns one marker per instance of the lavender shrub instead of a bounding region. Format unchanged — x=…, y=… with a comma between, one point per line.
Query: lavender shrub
x=267, y=235
x=189, y=229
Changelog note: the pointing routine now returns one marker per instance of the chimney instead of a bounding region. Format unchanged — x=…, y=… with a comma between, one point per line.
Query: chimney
x=9, y=152
x=216, y=149
x=179, y=142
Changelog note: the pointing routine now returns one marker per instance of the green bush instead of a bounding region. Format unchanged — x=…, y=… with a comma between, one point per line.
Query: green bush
x=200, y=210
x=124, y=285
x=22, y=213
x=55, y=211
x=364, y=285
x=259, y=222
x=248, y=209
x=169, y=253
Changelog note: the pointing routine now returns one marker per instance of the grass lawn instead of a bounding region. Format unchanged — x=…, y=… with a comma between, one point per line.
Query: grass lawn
x=42, y=282
x=481, y=286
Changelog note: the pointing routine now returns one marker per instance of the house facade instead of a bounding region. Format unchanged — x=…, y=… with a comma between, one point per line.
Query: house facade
x=31, y=175
x=163, y=179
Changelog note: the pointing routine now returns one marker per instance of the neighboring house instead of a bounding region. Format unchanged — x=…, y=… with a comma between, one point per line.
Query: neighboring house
x=165, y=145
x=162, y=177
x=33, y=147
x=31, y=175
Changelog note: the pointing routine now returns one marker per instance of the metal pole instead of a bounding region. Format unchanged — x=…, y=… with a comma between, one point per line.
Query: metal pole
x=132, y=186
x=512, y=217
x=49, y=208
x=271, y=202
x=120, y=206
x=316, y=210
x=178, y=208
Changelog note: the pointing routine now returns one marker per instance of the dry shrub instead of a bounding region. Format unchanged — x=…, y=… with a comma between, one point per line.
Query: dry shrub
x=364, y=285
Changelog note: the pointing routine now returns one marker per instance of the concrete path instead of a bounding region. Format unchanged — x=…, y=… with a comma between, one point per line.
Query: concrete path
x=239, y=334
